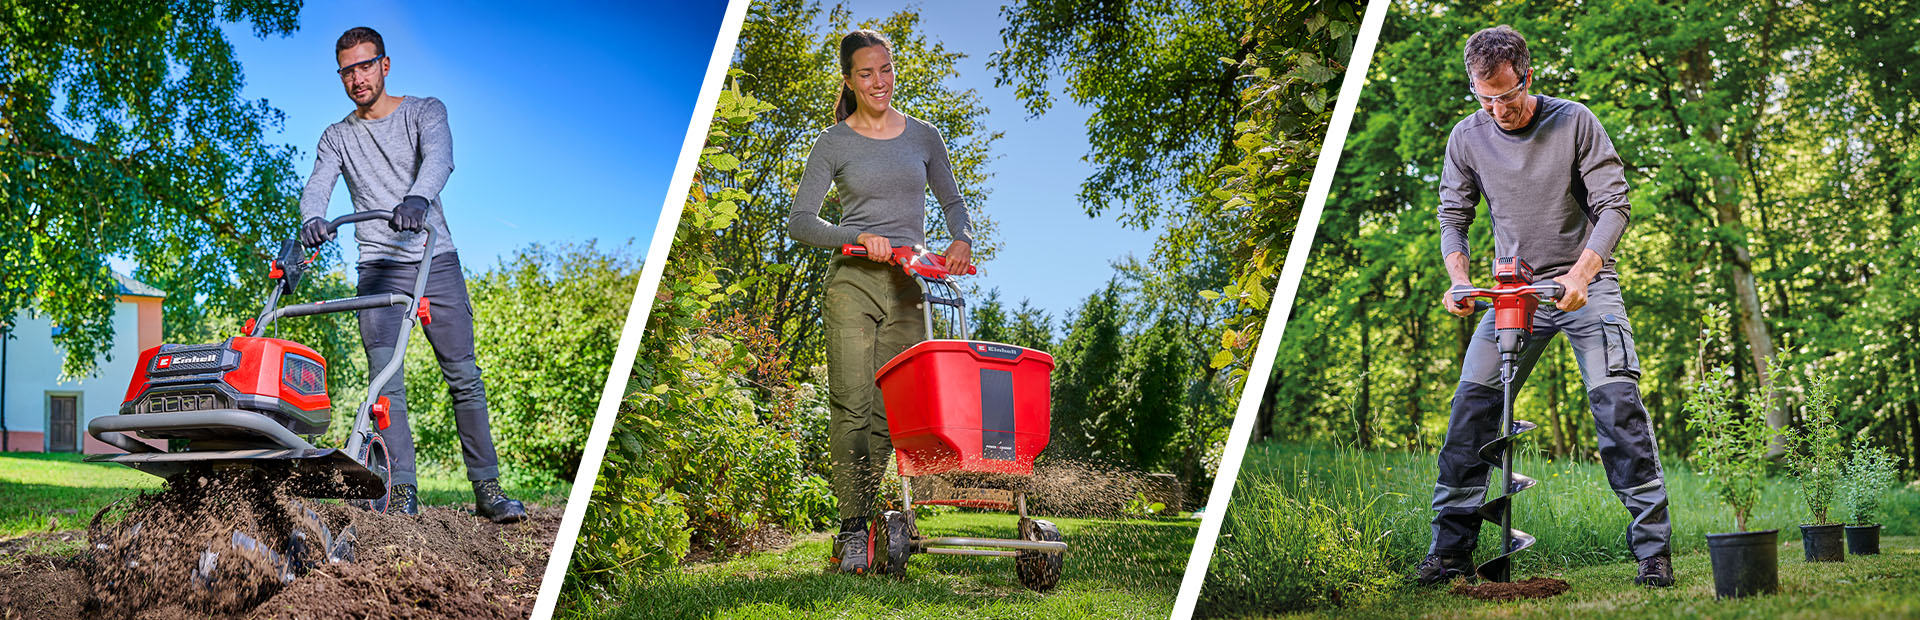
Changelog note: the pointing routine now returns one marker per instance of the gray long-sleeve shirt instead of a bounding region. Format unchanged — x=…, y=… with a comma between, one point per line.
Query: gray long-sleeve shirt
x=406, y=153
x=1554, y=188
x=882, y=187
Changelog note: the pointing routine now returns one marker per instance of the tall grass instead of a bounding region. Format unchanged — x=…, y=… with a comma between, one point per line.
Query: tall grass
x=1312, y=526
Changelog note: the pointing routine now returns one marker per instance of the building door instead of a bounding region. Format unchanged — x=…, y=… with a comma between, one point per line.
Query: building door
x=63, y=424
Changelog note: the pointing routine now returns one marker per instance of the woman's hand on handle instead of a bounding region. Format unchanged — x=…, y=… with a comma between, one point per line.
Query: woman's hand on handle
x=959, y=257
x=879, y=249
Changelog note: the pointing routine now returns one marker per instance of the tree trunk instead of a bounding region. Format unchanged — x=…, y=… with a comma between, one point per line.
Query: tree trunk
x=1556, y=420
x=1727, y=209
x=1363, y=412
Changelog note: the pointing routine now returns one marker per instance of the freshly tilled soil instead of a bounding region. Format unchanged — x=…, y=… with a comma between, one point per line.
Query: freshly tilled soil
x=444, y=563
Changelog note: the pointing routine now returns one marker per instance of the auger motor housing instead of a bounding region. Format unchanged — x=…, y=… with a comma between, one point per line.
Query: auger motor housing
x=280, y=379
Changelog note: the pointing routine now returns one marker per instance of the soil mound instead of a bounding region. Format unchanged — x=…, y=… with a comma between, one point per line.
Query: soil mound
x=146, y=557
x=1537, y=587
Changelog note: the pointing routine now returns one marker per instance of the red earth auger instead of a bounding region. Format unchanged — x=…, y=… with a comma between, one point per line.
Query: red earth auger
x=970, y=410
x=1513, y=303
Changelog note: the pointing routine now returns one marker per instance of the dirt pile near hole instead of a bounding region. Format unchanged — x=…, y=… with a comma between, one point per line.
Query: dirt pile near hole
x=1537, y=587
x=444, y=563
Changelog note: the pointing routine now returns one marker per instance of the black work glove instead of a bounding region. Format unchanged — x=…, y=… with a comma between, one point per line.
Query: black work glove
x=410, y=216
x=315, y=232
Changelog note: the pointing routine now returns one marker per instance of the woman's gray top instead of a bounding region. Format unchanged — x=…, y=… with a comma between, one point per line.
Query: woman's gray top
x=881, y=185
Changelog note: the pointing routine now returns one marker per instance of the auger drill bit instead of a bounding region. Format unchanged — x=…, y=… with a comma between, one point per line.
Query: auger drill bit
x=1499, y=453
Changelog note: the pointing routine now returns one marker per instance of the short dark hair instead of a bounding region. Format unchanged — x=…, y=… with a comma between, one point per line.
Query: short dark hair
x=358, y=35
x=1500, y=45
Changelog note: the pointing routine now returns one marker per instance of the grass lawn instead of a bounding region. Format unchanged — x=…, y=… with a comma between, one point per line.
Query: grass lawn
x=56, y=492
x=1114, y=569
x=1313, y=528
x=1882, y=586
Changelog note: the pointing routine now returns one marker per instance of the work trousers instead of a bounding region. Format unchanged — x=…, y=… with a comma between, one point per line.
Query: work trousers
x=1602, y=342
x=451, y=335
x=872, y=313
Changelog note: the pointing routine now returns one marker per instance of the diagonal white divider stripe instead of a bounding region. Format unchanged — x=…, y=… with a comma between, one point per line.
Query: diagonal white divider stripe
x=1296, y=263
x=656, y=262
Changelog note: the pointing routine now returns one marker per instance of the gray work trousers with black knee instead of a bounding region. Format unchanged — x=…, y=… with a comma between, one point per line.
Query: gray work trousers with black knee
x=451, y=334
x=1602, y=342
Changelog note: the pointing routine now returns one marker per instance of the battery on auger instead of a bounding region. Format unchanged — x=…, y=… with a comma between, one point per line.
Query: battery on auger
x=963, y=406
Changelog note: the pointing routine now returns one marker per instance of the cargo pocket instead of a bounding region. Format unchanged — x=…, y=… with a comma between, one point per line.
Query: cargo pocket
x=1622, y=361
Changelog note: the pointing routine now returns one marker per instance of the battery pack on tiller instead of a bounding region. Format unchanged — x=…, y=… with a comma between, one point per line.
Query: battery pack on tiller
x=961, y=405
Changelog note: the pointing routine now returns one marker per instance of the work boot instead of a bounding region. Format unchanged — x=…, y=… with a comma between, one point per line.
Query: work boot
x=490, y=502
x=1438, y=569
x=1656, y=572
x=850, y=547
x=405, y=500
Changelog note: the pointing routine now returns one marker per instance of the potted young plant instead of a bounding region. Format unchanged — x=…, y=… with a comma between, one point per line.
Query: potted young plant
x=1869, y=474
x=1732, y=450
x=1816, y=459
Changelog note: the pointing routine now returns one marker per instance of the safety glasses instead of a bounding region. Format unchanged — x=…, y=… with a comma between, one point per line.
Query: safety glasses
x=364, y=67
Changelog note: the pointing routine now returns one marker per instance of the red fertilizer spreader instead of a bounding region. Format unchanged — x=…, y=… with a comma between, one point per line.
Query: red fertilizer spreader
x=958, y=406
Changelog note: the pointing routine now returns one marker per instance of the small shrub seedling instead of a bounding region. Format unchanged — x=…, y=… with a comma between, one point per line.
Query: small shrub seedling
x=1732, y=448
x=1869, y=474
x=1817, y=450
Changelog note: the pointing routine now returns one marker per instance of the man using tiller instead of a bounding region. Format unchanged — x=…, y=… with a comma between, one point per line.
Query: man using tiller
x=396, y=153
x=1557, y=193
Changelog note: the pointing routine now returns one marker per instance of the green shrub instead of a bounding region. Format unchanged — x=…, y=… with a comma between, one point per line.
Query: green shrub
x=1732, y=449
x=546, y=323
x=1869, y=475
x=1816, y=450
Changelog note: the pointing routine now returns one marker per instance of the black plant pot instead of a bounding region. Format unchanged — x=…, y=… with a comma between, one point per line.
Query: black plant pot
x=1823, y=543
x=1863, y=539
x=1745, y=563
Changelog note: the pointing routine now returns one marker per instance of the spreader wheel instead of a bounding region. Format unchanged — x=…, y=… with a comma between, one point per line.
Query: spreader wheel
x=374, y=456
x=893, y=534
x=1039, y=570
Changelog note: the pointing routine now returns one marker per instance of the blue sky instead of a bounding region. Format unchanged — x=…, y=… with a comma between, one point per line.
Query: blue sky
x=1052, y=253
x=567, y=120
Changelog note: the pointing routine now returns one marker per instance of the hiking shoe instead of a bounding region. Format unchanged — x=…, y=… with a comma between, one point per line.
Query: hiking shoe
x=1438, y=569
x=1656, y=572
x=404, y=500
x=853, y=546
x=490, y=502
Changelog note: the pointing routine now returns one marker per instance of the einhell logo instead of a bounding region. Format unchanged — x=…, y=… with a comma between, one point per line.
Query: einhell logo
x=168, y=361
x=997, y=350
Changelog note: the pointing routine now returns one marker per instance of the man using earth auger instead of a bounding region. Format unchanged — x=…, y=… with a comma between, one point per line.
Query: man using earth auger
x=1557, y=193
x=396, y=153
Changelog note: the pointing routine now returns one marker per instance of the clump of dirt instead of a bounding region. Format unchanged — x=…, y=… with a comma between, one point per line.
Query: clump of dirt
x=148, y=560
x=1537, y=587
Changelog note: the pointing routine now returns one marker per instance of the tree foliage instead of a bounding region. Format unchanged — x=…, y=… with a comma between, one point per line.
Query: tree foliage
x=123, y=134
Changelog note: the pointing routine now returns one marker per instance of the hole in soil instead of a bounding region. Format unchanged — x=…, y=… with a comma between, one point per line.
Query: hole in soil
x=1537, y=587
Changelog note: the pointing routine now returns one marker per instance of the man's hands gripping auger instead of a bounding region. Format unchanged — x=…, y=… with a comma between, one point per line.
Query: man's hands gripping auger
x=1513, y=304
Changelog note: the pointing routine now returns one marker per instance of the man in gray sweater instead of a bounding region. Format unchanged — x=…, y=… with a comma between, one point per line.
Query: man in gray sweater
x=1557, y=193
x=396, y=153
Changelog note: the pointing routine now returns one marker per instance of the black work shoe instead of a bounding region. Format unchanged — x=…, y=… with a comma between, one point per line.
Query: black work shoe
x=405, y=500
x=490, y=502
x=1438, y=569
x=1656, y=572
x=853, y=551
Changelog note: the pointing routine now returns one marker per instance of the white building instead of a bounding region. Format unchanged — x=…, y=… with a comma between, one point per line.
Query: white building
x=39, y=411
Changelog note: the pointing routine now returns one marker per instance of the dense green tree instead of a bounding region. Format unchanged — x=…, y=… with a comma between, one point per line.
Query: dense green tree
x=1088, y=401
x=123, y=134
